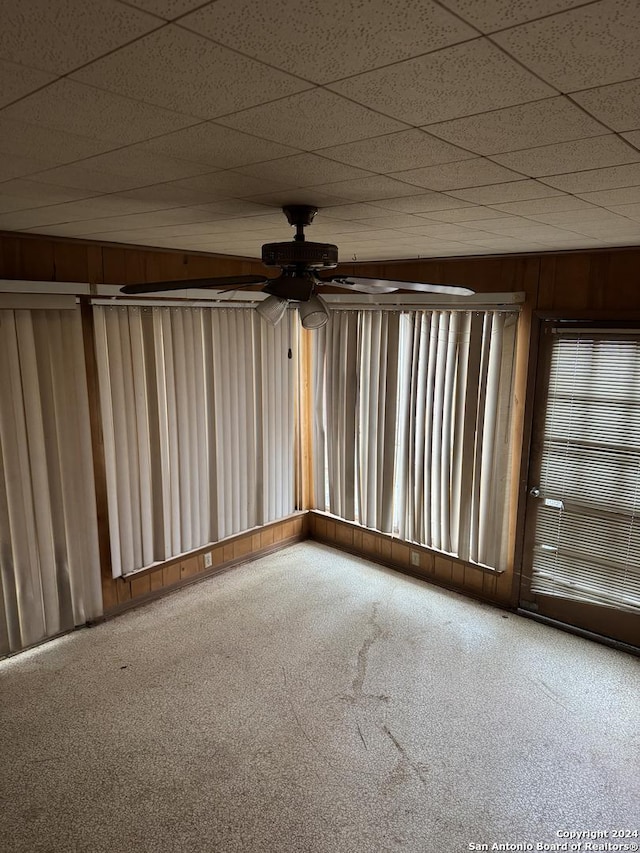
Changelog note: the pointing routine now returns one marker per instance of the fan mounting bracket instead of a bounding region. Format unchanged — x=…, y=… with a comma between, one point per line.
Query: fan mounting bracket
x=299, y=215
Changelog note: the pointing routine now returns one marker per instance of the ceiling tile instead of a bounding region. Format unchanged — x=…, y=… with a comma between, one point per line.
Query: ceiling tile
x=80, y=177
x=229, y=184
x=508, y=191
x=466, y=173
x=450, y=231
x=167, y=9
x=370, y=189
x=617, y=106
x=220, y=146
x=12, y=166
x=16, y=81
x=68, y=33
x=145, y=167
x=312, y=120
x=457, y=81
x=189, y=74
x=351, y=211
x=409, y=149
x=410, y=28
x=49, y=146
x=421, y=203
x=319, y=196
x=630, y=210
x=31, y=194
x=634, y=138
x=596, y=179
x=539, y=123
x=607, y=198
x=580, y=154
x=545, y=205
x=590, y=46
x=393, y=220
x=572, y=218
x=72, y=107
x=170, y=195
x=491, y=15
x=465, y=214
x=304, y=170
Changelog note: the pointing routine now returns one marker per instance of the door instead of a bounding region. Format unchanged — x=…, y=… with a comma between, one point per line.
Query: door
x=581, y=560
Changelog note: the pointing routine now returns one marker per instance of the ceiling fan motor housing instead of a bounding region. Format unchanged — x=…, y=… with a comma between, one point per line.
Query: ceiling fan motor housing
x=292, y=254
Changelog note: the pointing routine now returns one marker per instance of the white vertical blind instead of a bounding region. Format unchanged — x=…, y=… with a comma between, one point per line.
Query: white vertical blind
x=412, y=425
x=587, y=540
x=198, y=421
x=49, y=559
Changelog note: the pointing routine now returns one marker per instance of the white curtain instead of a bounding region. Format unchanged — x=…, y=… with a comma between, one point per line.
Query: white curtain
x=412, y=426
x=198, y=423
x=49, y=560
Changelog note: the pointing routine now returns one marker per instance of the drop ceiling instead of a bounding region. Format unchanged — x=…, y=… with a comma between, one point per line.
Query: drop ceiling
x=421, y=129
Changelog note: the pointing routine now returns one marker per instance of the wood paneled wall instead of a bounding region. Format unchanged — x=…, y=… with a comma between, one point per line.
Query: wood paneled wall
x=600, y=284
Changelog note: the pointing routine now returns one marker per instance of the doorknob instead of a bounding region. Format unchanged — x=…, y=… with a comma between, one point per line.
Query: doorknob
x=534, y=492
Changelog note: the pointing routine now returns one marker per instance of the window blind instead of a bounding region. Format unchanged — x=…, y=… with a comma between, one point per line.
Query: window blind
x=198, y=423
x=49, y=559
x=587, y=542
x=412, y=425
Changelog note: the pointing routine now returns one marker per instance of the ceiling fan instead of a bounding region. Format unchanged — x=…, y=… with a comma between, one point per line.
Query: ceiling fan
x=303, y=265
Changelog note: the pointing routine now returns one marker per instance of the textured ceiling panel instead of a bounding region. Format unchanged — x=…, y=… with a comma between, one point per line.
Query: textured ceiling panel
x=466, y=173
x=458, y=81
x=60, y=36
x=508, y=191
x=16, y=81
x=596, y=179
x=617, y=106
x=311, y=120
x=409, y=149
x=491, y=15
x=268, y=31
x=85, y=111
x=220, y=146
x=167, y=9
x=580, y=154
x=304, y=170
x=542, y=122
x=424, y=138
x=187, y=73
x=590, y=46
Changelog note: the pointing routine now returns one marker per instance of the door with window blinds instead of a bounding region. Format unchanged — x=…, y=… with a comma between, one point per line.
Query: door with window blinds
x=582, y=549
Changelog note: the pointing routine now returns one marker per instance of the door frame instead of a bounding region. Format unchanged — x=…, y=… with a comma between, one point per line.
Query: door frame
x=604, y=622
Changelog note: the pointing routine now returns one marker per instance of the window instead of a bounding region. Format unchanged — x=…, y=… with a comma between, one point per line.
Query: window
x=49, y=560
x=412, y=427
x=198, y=424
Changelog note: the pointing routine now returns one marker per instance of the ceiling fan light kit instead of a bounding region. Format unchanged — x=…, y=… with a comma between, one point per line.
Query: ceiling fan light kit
x=272, y=309
x=304, y=268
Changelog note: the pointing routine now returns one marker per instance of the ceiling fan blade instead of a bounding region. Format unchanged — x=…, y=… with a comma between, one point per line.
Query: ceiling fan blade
x=383, y=285
x=355, y=284
x=195, y=283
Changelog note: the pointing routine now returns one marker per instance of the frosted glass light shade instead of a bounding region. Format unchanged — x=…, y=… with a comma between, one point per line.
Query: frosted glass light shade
x=272, y=309
x=313, y=314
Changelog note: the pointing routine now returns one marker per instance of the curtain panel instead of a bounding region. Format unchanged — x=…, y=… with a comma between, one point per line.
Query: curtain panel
x=197, y=412
x=49, y=558
x=412, y=426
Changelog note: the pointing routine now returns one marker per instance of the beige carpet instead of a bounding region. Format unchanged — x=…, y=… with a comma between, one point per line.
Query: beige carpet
x=310, y=702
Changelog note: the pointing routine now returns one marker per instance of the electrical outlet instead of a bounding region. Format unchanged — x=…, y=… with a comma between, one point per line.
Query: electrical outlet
x=208, y=562
x=415, y=558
